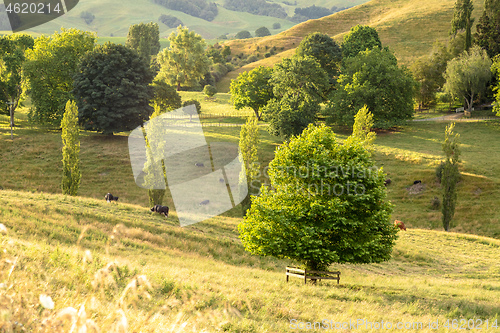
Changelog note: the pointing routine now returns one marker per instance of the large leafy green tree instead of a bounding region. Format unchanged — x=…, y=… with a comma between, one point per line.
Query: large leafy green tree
x=324, y=49
x=299, y=86
x=495, y=67
x=358, y=39
x=462, y=20
x=50, y=67
x=113, y=89
x=428, y=72
x=252, y=89
x=12, y=56
x=184, y=62
x=144, y=38
x=468, y=75
x=326, y=204
x=373, y=78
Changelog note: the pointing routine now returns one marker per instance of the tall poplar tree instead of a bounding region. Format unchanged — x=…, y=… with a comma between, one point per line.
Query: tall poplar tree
x=71, y=150
x=462, y=20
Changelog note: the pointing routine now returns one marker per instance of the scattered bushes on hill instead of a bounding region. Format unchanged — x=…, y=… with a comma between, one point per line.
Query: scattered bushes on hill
x=276, y=25
x=262, y=32
x=336, y=9
x=197, y=8
x=257, y=7
x=88, y=17
x=170, y=21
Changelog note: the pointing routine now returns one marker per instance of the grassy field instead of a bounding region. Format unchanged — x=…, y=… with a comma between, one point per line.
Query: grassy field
x=120, y=260
x=408, y=27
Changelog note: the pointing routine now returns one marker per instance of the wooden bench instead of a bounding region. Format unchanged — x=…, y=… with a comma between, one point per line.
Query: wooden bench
x=306, y=274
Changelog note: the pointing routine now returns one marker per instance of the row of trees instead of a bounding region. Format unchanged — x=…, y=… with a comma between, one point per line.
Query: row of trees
x=344, y=79
x=462, y=70
x=116, y=87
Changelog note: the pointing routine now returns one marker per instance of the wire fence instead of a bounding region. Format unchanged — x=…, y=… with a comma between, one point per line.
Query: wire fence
x=464, y=120
x=207, y=115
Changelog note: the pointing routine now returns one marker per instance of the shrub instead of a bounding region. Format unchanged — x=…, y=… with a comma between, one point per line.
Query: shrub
x=209, y=90
x=170, y=21
x=244, y=34
x=193, y=101
x=88, y=17
x=262, y=32
x=252, y=58
x=276, y=25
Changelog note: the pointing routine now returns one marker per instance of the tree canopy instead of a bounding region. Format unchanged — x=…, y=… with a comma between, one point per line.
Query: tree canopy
x=360, y=38
x=299, y=86
x=428, y=72
x=468, y=75
x=184, y=62
x=50, y=67
x=252, y=89
x=113, y=89
x=324, y=49
x=326, y=203
x=373, y=78
x=165, y=97
x=488, y=28
x=12, y=55
x=144, y=38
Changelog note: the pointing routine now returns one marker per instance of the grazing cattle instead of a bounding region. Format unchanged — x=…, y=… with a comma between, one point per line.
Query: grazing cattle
x=417, y=182
x=387, y=182
x=160, y=210
x=399, y=224
x=110, y=197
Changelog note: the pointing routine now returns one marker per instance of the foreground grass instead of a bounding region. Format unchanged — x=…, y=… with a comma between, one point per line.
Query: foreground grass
x=202, y=279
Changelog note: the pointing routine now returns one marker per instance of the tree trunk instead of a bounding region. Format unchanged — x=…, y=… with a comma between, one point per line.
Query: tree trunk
x=257, y=114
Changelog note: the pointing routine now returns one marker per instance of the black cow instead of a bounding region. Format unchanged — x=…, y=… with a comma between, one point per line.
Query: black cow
x=109, y=197
x=417, y=182
x=160, y=209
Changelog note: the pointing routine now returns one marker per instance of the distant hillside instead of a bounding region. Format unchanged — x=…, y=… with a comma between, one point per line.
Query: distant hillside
x=408, y=27
x=113, y=17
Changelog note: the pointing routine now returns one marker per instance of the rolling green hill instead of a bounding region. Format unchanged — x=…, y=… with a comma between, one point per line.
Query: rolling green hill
x=113, y=18
x=407, y=27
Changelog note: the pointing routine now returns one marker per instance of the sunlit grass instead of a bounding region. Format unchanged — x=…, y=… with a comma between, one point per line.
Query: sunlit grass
x=200, y=275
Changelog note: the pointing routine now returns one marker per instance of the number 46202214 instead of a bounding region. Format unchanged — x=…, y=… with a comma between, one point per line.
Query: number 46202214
x=33, y=8
x=471, y=324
